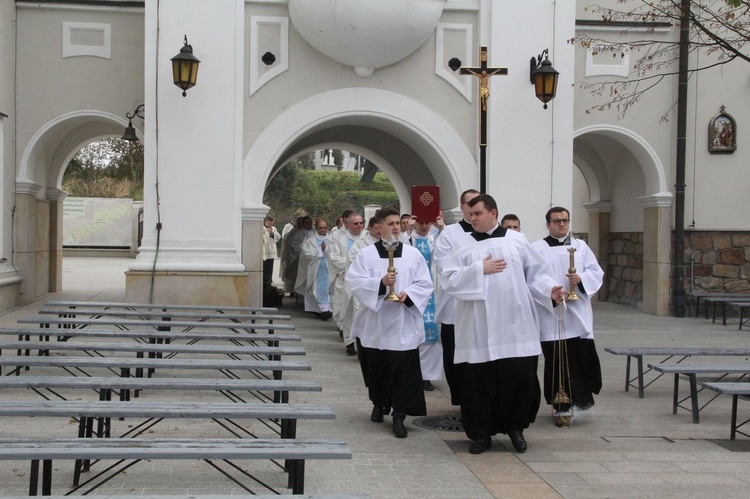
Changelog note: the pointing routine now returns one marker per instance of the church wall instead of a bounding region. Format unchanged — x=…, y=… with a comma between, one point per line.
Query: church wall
x=10, y=280
x=311, y=73
x=717, y=261
x=53, y=85
x=624, y=278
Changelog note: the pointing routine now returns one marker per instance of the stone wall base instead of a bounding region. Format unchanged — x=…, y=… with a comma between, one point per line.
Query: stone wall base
x=227, y=289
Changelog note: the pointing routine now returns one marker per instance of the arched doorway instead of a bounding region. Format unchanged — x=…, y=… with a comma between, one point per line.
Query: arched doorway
x=629, y=210
x=39, y=195
x=408, y=141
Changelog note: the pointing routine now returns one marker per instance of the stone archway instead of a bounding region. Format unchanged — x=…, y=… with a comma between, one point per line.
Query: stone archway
x=593, y=155
x=410, y=142
x=39, y=196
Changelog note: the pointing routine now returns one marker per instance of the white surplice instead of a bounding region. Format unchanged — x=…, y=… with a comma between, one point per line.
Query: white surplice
x=449, y=238
x=496, y=315
x=309, y=283
x=579, y=318
x=389, y=325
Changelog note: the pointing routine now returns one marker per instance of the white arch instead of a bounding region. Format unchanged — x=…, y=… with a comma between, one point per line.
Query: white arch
x=450, y=161
x=651, y=165
x=57, y=132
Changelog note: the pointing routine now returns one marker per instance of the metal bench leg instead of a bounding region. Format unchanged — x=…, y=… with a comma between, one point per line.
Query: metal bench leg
x=297, y=476
x=734, y=417
x=34, y=477
x=694, y=397
x=675, y=398
x=627, y=374
x=47, y=477
x=640, y=377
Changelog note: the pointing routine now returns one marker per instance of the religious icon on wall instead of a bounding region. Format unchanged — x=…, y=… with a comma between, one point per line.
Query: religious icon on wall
x=722, y=133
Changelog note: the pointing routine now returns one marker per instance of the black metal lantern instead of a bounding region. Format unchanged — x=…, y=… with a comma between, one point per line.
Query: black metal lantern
x=544, y=78
x=129, y=134
x=185, y=68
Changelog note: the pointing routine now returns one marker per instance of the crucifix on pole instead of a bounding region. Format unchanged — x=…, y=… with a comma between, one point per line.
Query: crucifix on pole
x=483, y=73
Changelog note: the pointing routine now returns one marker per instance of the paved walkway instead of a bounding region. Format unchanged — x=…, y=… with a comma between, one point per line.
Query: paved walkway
x=622, y=447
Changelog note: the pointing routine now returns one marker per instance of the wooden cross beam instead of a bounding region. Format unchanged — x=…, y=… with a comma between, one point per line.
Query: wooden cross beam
x=483, y=72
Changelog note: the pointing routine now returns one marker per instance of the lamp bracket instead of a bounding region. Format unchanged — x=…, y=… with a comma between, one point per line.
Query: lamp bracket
x=536, y=62
x=138, y=111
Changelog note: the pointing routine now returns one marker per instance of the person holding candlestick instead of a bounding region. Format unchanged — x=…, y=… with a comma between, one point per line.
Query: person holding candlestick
x=389, y=332
x=572, y=260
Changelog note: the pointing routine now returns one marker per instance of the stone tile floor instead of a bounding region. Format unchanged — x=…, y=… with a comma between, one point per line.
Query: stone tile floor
x=622, y=447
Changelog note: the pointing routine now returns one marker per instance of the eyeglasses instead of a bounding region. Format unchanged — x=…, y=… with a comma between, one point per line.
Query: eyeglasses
x=561, y=221
x=356, y=223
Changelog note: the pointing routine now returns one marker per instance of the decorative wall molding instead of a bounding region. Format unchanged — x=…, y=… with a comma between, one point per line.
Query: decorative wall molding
x=87, y=39
x=463, y=34
x=613, y=61
x=267, y=34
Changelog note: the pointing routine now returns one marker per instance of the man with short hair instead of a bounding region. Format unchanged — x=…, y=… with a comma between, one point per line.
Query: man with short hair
x=390, y=332
x=339, y=261
x=497, y=278
x=511, y=221
x=270, y=237
x=570, y=351
x=445, y=305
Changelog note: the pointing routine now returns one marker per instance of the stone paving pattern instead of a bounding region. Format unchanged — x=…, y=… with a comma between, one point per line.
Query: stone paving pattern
x=622, y=447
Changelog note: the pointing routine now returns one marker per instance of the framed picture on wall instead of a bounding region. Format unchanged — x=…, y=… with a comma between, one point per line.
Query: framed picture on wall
x=722, y=133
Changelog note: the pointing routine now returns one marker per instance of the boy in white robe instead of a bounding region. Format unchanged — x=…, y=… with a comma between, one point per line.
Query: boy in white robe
x=496, y=278
x=582, y=362
x=390, y=332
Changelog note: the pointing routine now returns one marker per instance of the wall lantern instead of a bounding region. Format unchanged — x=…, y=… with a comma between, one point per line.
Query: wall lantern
x=185, y=68
x=129, y=134
x=543, y=77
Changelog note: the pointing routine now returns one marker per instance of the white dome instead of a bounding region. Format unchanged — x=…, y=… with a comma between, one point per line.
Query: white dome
x=365, y=34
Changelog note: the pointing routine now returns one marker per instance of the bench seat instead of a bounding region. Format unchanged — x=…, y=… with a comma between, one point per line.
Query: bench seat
x=736, y=390
x=692, y=371
x=26, y=333
x=666, y=353
x=48, y=450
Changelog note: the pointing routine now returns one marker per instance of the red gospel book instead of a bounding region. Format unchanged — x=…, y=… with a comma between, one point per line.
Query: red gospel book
x=425, y=202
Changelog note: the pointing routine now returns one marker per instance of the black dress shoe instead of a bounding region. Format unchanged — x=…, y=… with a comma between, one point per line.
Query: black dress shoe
x=516, y=438
x=427, y=386
x=377, y=414
x=326, y=315
x=350, y=349
x=399, y=429
x=480, y=445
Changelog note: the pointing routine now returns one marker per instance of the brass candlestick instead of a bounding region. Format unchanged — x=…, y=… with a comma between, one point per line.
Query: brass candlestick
x=392, y=296
x=391, y=243
x=572, y=270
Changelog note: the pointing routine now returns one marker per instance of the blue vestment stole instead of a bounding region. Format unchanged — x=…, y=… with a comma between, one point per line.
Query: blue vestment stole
x=431, y=330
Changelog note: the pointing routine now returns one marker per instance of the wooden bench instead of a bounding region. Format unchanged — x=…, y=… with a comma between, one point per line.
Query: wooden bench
x=193, y=336
x=736, y=390
x=696, y=297
x=234, y=351
x=163, y=314
x=666, y=353
x=106, y=385
x=296, y=451
x=692, y=372
x=160, y=325
x=125, y=365
x=107, y=305
x=726, y=304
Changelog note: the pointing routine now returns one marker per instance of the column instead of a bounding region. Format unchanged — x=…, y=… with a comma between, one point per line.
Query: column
x=657, y=243
x=599, y=216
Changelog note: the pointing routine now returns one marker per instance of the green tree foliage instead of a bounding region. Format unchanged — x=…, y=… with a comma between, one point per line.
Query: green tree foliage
x=324, y=194
x=106, y=168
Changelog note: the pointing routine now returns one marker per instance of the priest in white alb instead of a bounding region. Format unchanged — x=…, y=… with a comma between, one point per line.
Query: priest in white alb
x=497, y=278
